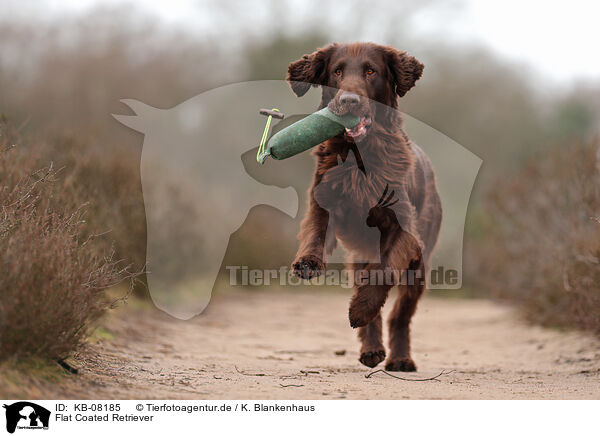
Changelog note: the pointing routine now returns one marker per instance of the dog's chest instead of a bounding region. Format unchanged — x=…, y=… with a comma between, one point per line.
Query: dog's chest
x=346, y=189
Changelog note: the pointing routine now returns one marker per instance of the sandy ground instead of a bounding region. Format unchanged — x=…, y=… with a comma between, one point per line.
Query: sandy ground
x=282, y=345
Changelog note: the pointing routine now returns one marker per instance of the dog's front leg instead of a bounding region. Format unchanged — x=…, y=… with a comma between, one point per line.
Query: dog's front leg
x=313, y=230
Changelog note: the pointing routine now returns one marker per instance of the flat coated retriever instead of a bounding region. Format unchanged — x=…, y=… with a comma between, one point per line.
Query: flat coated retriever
x=370, y=178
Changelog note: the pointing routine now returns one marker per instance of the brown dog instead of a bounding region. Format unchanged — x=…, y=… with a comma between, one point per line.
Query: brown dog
x=371, y=178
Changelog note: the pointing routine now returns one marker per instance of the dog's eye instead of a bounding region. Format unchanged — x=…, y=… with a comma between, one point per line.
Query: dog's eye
x=338, y=72
x=370, y=71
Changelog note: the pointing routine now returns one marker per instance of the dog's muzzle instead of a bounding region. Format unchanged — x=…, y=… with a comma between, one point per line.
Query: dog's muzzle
x=350, y=102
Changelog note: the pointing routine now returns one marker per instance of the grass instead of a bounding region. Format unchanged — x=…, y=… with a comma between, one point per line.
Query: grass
x=101, y=334
x=29, y=378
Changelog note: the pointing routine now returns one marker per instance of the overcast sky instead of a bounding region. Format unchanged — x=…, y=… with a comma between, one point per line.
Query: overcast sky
x=559, y=39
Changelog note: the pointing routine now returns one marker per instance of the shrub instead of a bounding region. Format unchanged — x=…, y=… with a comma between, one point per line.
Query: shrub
x=542, y=247
x=107, y=178
x=52, y=278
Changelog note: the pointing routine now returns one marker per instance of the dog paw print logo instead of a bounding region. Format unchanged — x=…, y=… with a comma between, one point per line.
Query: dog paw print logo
x=26, y=415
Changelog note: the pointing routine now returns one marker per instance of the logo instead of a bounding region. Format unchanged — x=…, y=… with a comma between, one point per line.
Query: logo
x=210, y=205
x=26, y=415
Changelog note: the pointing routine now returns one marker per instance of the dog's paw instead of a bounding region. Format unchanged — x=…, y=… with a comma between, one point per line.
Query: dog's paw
x=404, y=364
x=307, y=267
x=372, y=358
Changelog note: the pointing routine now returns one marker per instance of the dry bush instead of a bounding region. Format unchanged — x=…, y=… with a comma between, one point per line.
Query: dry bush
x=542, y=246
x=52, y=278
x=108, y=179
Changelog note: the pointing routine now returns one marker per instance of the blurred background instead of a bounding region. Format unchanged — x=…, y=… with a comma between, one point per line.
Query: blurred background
x=519, y=89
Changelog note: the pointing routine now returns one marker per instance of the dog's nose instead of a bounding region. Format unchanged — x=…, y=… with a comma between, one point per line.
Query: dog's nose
x=349, y=98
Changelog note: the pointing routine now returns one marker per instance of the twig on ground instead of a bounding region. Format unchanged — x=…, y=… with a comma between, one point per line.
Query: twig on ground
x=290, y=386
x=303, y=373
x=287, y=377
x=369, y=375
x=260, y=374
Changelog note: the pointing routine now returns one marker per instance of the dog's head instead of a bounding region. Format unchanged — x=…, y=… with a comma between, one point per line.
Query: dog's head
x=355, y=76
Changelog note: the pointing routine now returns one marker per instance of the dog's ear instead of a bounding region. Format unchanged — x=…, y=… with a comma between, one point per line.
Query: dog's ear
x=404, y=70
x=310, y=69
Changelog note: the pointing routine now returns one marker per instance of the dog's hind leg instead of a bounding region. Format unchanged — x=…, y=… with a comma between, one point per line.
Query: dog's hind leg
x=372, y=351
x=399, y=322
x=369, y=295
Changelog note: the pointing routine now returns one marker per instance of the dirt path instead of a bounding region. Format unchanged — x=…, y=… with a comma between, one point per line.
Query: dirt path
x=291, y=339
